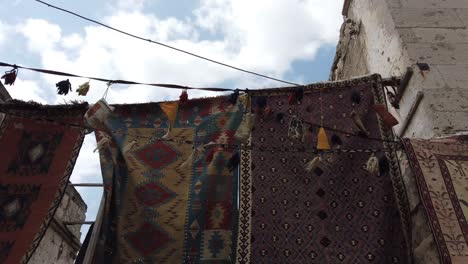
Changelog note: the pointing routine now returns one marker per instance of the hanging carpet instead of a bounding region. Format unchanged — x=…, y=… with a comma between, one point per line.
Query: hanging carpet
x=441, y=170
x=168, y=201
x=37, y=159
x=336, y=213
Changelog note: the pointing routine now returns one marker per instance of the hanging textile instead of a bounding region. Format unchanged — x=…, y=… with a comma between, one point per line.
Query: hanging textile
x=441, y=170
x=37, y=158
x=168, y=201
x=336, y=213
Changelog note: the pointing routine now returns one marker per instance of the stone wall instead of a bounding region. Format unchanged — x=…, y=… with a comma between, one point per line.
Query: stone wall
x=61, y=242
x=395, y=34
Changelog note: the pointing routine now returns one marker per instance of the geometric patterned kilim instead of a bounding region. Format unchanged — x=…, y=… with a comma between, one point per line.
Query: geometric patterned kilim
x=158, y=210
x=37, y=157
x=338, y=212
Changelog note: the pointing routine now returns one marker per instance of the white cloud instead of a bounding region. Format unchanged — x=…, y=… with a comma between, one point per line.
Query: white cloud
x=72, y=41
x=253, y=35
x=130, y=4
x=27, y=90
x=270, y=36
x=3, y=33
x=41, y=35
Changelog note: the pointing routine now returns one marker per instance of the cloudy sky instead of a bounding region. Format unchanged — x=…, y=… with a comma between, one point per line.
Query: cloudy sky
x=292, y=40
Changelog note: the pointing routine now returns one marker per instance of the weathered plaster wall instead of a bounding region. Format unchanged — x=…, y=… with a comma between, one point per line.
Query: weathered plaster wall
x=61, y=242
x=393, y=35
x=400, y=33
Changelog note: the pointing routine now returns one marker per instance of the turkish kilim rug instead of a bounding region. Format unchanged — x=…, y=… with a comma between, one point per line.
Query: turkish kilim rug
x=159, y=207
x=37, y=159
x=441, y=170
x=338, y=212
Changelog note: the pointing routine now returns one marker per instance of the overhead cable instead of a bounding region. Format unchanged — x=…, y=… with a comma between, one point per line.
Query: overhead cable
x=163, y=85
x=165, y=45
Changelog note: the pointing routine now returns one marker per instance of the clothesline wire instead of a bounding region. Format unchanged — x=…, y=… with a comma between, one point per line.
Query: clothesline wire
x=194, y=143
x=164, y=45
x=162, y=85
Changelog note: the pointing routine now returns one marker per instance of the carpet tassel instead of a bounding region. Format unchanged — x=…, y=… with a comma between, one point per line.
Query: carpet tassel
x=104, y=141
x=10, y=76
x=63, y=87
x=83, y=89
x=167, y=135
x=322, y=139
x=311, y=165
x=170, y=109
x=372, y=165
x=129, y=146
x=183, y=98
x=359, y=124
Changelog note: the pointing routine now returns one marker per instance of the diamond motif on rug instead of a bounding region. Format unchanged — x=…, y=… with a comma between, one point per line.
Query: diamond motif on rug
x=194, y=229
x=325, y=241
x=217, y=216
x=153, y=194
x=148, y=239
x=215, y=244
x=157, y=155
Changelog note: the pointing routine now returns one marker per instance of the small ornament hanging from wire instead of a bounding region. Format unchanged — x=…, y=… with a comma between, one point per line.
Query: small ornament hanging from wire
x=63, y=87
x=10, y=76
x=183, y=98
x=83, y=89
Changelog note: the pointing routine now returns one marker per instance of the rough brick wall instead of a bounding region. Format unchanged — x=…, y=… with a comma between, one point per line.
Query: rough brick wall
x=393, y=35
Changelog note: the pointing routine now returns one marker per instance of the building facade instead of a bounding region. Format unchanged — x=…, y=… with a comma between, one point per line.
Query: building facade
x=431, y=38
